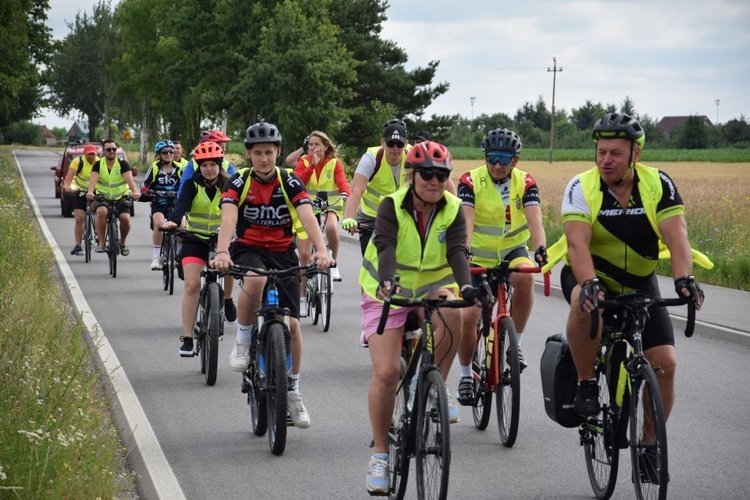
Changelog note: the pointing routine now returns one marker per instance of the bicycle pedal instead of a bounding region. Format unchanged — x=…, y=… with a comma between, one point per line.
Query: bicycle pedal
x=289, y=422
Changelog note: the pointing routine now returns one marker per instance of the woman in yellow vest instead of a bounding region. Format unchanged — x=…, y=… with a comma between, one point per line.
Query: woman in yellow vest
x=199, y=199
x=77, y=181
x=322, y=173
x=420, y=233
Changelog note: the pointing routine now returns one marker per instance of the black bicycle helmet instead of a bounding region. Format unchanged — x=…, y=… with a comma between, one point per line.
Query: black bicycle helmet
x=614, y=125
x=262, y=132
x=393, y=121
x=501, y=139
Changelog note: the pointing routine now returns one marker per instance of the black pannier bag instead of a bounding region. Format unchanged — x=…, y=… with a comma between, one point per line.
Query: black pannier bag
x=559, y=381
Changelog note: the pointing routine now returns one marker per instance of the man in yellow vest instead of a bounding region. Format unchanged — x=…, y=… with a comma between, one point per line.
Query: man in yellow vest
x=420, y=233
x=503, y=211
x=77, y=181
x=615, y=215
x=112, y=179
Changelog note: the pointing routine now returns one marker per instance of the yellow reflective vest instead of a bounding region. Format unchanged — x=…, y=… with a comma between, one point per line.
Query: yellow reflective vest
x=83, y=172
x=111, y=184
x=382, y=183
x=423, y=266
x=325, y=183
x=204, y=217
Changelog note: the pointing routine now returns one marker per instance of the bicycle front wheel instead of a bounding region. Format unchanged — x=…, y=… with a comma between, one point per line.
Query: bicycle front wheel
x=113, y=247
x=508, y=390
x=256, y=397
x=648, y=437
x=164, y=258
x=325, y=291
x=170, y=264
x=87, y=238
x=276, y=395
x=598, y=435
x=482, y=408
x=398, y=436
x=213, y=322
x=433, y=439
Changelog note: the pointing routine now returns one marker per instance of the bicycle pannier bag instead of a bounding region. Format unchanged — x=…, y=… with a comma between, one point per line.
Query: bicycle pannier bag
x=559, y=381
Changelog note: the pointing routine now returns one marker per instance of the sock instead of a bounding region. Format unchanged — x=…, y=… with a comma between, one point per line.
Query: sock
x=243, y=332
x=295, y=383
x=466, y=371
x=519, y=337
x=380, y=456
x=593, y=379
x=157, y=250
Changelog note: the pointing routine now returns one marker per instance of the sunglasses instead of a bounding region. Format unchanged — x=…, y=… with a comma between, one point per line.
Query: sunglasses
x=442, y=175
x=501, y=157
x=110, y=150
x=392, y=144
x=166, y=152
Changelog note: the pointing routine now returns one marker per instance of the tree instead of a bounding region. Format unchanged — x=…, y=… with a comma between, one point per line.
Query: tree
x=737, y=132
x=628, y=107
x=26, y=43
x=585, y=116
x=654, y=135
x=693, y=134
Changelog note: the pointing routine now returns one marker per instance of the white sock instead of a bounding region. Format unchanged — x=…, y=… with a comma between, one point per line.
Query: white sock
x=519, y=337
x=295, y=383
x=243, y=332
x=466, y=371
x=157, y=250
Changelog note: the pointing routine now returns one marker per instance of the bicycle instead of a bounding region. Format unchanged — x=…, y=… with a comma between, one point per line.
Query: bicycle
x=112, y=235
x=208, y=328
x=268, y=376
x=168, y=252
x=89, y=232
x=422, y=429
x=496, y=365
x=631, y=399
x=319, y=289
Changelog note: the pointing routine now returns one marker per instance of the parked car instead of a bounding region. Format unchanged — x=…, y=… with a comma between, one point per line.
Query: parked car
x=73, y=150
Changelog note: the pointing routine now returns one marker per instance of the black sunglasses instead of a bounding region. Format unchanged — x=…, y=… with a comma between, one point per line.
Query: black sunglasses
x=110, y=150
x=165, y=152
x=391, y=144
x=442, y=175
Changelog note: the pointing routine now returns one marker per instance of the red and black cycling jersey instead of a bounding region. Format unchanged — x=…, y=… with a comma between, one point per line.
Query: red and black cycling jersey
x=263, y=219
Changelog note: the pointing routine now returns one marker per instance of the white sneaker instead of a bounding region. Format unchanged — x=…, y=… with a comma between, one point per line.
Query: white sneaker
x=239, y=359
x=378, y=478
x=303, y=312
x=297, y=411
x=453, y=414
x=156, y=264
x=335, y=275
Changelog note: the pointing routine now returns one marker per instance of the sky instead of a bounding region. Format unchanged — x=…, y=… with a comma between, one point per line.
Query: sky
x=670, y=57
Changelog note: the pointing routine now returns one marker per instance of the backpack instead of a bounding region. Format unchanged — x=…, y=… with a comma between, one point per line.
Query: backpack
x=559, y=381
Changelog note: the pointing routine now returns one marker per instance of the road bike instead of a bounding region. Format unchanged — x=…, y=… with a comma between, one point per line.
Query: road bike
x=168, y=252
x=631, y=410
x=420, y=427
x=268, y=376
x=112, y=236
x=319, y=288
x=208, y=328
x=496, y=365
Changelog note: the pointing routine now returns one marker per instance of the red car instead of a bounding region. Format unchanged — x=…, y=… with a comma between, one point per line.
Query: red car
x=61, y=170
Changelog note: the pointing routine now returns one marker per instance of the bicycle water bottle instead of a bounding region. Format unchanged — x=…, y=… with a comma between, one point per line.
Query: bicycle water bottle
x=412, y=392
x=273, y=297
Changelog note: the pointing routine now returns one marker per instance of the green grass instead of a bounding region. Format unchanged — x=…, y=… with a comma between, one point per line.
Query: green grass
x=57, y=439
x=725, y=155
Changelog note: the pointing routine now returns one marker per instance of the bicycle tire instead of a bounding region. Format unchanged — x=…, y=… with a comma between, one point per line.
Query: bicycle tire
x=646, y=407
x=433, y=451
x=164, y=258
x=276, y=395
x=171, y=259
x=213, y=322
x=87, y=238
x=508, y=390
x=114, y=247
x=256, y=397
x=314, y=302
x=598, y=435
x=482, y=409
x=398, y=435
x=325, y=292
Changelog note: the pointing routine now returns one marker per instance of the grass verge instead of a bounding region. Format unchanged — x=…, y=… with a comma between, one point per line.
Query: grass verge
x=57, y=438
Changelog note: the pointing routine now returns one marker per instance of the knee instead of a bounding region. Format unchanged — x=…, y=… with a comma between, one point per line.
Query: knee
x=387, y=376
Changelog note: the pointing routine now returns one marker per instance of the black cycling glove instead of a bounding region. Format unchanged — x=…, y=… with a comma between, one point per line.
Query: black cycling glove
x=540, y=255
x=590, y=289
x=692, y=286
x=469, y=292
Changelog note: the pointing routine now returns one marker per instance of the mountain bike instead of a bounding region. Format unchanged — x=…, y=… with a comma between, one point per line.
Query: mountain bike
x=496, y=366
x=420, y=427
x=168, y=252
x=112, y=235
x=319, y=288
x=89, y=232
x=268, y=376
x=208, y=328
x=631, y=404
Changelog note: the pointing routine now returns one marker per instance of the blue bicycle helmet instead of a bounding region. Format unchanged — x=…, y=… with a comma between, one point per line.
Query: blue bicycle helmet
x=163, y=144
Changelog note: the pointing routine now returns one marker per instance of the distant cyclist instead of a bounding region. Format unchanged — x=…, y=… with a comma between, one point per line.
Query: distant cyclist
x=162, y=175
x=503, y=211
x=77, y=181
x=178, y=152
x=215, y=136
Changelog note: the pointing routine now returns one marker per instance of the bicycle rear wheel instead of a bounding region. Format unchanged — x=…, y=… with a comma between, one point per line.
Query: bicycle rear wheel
x=164, y=259
x=212, y=321
x=170, y=264
x=311, y=294
x=508, y=390
x=398, y=435
x=325, y=291
x=482, y=408
x=598, y=436
x=276, y=395
x=648, y=437
x=433, y=439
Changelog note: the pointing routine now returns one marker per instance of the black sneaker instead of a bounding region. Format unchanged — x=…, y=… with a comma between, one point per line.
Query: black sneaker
x=230, y=311
x=77, y=250
x=466, y=391
x=587, y=398
x=647, y=465
x=186, y=349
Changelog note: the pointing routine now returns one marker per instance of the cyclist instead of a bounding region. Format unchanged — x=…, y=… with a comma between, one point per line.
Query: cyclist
x=112, y=179
x=200, y=201
x=322, y=172
x=421, y=136
x=379, y=173
x=178, y=152
x=77, y=179
x=499, y=187
x=420, y=233
x=615, y=216
x=162, y=175
x=263, y=204
x=215, y=136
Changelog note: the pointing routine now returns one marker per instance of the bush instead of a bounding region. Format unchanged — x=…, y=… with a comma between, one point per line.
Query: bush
x=22, y=133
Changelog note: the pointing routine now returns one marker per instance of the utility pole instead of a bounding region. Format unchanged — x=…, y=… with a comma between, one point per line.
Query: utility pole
x=473, y=100
x=554, y=71
x=717, y=111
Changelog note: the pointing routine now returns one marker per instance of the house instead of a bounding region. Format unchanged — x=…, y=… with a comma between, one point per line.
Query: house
x=48, y=137
x=669, y=124
x=79, y=131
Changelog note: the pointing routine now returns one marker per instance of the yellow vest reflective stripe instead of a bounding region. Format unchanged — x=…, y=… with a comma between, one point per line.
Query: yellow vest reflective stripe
x=111, y=183
x=382, y=182
x=490, y=243
x=83, y=172
x=246, y=174
x=204, y=217
x=423, y=269
x=325, y=183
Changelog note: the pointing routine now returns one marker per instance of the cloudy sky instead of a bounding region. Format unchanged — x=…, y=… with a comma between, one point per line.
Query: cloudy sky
x=671, y=57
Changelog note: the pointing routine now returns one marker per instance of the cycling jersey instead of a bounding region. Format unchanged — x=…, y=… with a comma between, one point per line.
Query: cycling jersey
x=158, y=180
x=111, y=184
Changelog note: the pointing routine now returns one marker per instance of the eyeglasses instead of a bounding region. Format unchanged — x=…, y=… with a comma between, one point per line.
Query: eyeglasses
x=504, y=158
x=442, y=175
x=110, y=150
x=392, y=144
x=166, y=152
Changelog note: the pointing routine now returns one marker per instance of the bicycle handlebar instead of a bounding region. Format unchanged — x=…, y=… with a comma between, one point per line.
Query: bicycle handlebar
x=634, y=301
x=506, y=270
x=240, y=271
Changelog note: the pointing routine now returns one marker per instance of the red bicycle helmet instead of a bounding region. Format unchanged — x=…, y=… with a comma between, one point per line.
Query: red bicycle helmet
x=208, y=151
x=214, y=136
x=429, y=154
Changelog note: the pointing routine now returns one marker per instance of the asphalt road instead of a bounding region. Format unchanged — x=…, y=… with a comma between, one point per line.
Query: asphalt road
x=205, y=432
